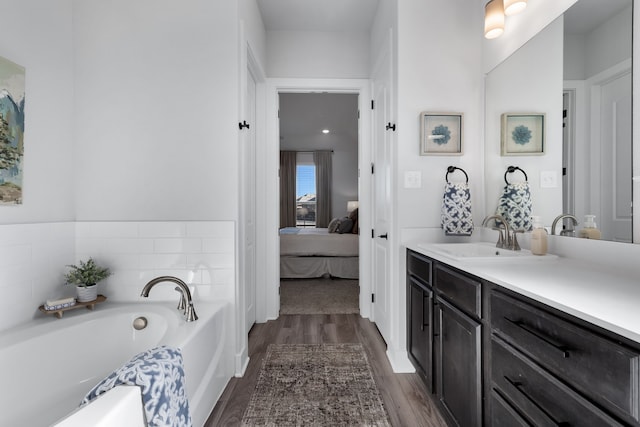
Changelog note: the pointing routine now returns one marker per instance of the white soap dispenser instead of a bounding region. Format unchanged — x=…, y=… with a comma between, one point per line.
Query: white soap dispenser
x=590, y=230
x=538, y=237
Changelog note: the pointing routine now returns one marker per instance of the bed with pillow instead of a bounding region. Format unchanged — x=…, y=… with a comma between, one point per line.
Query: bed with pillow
x=318, y=252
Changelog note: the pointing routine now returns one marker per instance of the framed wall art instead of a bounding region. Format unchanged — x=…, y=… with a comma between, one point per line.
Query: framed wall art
x=12, y=89
x=522, y=134
x=440, y=134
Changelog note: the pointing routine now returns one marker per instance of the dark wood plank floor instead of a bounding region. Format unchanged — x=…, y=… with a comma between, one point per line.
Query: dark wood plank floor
x=405, y=396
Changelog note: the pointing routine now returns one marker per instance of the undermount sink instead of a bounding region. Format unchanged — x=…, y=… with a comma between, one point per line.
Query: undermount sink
x=480, y=251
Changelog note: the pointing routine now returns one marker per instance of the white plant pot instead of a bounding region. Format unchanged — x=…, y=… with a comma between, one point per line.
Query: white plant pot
x=86, y=294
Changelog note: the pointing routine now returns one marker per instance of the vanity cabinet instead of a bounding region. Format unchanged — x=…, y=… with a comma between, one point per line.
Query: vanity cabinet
x=420, y=305
x=444, y=336
x=494, y=357
x=554, y=371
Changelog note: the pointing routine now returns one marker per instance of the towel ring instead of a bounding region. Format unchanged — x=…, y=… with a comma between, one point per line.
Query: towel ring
x=512, y=169
x=452, y=169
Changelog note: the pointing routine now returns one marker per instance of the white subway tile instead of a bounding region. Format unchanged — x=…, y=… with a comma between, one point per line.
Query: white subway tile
x=162, y=229
x=177, y=245
x=107, y=229
x=219, y=229
x=218, y=245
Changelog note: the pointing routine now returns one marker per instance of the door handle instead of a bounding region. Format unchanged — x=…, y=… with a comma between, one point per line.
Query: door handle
x=384, y=236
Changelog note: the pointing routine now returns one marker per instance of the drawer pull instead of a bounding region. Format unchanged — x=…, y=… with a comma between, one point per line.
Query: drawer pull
x=518, y=386
x=553, y=344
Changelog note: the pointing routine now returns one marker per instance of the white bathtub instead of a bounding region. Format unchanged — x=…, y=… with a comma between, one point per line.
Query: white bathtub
x=48, y=365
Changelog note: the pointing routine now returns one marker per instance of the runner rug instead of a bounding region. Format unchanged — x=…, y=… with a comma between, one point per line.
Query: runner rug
x=315, y=385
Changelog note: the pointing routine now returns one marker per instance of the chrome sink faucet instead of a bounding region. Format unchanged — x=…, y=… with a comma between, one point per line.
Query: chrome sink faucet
x=559, y=218
x=186, y=302
x=509, y=240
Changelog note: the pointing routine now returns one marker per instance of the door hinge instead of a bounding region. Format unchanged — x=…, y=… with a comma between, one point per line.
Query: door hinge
x=358, y=114
x=372, y=104
x=373, y=234
x=373, y=297
x=371, y=168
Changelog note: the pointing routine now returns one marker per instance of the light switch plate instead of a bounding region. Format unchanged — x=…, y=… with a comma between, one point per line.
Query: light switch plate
x=412, y=179
x=548, y=179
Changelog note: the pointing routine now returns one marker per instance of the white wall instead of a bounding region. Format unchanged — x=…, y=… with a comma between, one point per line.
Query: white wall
x=313, y=54
x=520, y=85
x=439, y=69
x=37, y=34
x=157, y=109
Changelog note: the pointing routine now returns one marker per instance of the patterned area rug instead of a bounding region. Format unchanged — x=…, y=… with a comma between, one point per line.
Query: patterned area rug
x=319, y=296
x=315, y=385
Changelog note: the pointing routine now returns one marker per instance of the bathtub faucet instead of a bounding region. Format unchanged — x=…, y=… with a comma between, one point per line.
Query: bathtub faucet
x=186, y=302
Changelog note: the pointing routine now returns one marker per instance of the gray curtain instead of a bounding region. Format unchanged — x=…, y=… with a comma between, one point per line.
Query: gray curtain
x=322, y=160
x=287, y=189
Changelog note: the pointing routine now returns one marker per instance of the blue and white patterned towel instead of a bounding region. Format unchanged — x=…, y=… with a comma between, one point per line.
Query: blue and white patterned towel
x=456, y=218
x=159, y=373
x=515, y=206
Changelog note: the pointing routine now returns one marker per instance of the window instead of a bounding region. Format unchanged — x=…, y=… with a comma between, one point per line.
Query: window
x=305, y=193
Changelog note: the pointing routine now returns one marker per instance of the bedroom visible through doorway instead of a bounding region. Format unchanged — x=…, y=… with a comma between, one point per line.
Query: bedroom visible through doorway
x=319, y=231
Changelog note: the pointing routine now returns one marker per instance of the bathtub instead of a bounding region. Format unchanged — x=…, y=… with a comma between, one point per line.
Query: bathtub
x=49, y=364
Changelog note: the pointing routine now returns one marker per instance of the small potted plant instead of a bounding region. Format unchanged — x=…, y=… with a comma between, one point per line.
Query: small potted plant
x=86, y=276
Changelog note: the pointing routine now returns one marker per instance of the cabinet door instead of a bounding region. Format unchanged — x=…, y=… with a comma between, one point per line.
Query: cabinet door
x=458, y=364
x=421, y=330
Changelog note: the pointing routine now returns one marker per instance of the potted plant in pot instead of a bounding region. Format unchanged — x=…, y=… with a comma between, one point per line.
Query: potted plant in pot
x=86, y=276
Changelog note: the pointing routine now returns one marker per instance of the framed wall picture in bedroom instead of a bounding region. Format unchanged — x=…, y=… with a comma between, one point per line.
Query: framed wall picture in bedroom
x=440, y=134
x=522, y=134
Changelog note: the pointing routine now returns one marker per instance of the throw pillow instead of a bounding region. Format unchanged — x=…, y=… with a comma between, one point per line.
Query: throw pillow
x=333, y=225
x=346, y=225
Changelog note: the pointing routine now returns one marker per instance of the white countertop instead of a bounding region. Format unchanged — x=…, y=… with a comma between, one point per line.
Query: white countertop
x=595, y=293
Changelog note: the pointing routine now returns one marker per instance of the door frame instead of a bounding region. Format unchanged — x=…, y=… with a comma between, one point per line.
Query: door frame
x=268, y=298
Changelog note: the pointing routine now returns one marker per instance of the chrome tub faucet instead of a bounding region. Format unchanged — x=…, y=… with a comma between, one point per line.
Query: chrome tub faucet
x=186, y=302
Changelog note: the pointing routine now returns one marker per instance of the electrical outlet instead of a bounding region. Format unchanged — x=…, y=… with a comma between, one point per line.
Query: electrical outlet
x=548, y=179
x=412, y=179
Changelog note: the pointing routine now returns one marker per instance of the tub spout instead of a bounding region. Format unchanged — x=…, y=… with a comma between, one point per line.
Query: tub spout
x=186, y=302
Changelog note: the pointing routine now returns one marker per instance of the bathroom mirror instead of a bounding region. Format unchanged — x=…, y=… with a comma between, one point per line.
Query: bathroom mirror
x=576, y=71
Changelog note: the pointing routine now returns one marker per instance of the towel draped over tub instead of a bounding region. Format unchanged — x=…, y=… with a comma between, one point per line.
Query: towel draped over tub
x=159, y=373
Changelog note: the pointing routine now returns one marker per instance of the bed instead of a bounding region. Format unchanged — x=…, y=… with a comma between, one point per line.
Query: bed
x=314, y=252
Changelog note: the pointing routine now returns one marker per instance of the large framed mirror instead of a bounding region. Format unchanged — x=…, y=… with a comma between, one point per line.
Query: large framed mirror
x=578, y=72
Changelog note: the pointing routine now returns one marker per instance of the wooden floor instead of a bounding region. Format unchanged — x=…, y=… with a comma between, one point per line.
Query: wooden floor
x=405, y=396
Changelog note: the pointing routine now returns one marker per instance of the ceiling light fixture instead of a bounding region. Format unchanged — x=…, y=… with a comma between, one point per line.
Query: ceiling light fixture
x=511, y=7
x=493, y=19
x=325, y=130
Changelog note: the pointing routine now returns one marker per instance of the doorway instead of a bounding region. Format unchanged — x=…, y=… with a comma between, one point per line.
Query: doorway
x=268, y=298
x=319, y=232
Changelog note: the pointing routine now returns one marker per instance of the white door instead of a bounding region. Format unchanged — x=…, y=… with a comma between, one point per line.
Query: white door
x=615, y=152
x=248, y=204
x=381, y=188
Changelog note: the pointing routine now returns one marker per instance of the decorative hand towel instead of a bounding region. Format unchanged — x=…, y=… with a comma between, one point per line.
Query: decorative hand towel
x=515, y=206
x=159, y=373
x=456, y=216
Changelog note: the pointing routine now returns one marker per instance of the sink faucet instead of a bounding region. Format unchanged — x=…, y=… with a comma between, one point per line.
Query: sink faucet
x=509, y=241
x=503, y=242
x=560, y=217
x=186, y=301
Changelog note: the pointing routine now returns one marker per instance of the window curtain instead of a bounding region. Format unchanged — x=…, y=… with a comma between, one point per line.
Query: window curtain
x=287, y=189
x=322, y=160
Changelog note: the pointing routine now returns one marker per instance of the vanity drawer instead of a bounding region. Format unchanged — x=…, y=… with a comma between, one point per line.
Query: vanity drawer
x=601, y=369
x=538, y=396
x=419, y=266
x=464, y=291
x=503, y=414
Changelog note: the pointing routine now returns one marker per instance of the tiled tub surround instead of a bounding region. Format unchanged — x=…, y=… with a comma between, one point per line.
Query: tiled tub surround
x=33, y=259
x=202, y=253
x=51, y=364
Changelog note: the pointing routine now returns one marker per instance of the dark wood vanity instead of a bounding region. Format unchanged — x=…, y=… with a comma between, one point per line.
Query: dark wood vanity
x=493, y=357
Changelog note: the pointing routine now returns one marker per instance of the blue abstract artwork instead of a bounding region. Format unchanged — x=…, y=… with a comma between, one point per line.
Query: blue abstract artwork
x=12, y=96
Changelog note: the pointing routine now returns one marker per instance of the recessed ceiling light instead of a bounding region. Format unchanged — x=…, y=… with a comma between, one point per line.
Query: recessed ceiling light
x=325, y=130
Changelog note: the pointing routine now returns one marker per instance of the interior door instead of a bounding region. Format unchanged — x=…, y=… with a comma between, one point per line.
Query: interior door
x=248, y=210
x=382, y=137
x=615, y=152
